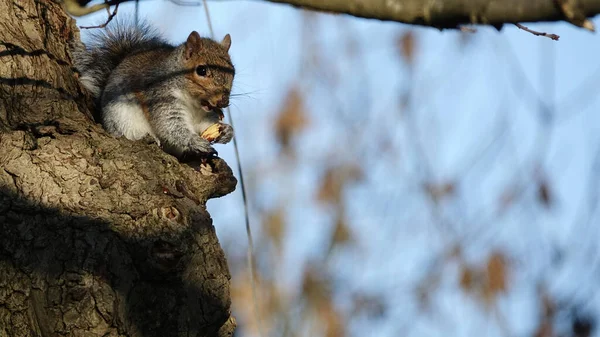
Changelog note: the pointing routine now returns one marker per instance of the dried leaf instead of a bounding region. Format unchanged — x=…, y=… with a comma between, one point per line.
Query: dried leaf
x=335, y=179
x=407, y=45
x=315, y=287
x=341, y=233
x=317, y=291
x=291, y=119
x=275, y=227
x=467, y=279
x=331, y=187
x=496, y=275
x=334, y=324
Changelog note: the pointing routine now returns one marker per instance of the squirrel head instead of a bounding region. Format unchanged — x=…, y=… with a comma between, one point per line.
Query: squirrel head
x=211, y=72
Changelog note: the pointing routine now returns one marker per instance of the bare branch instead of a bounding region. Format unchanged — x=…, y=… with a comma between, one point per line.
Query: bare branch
x=453, y=13
x=536, y=33
x=108, y=20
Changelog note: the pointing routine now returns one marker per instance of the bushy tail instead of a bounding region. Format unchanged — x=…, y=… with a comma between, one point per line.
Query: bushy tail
x=108, y=47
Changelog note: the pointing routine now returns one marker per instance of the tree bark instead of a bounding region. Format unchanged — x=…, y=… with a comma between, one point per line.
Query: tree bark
x=98, y=236
x=453, y=13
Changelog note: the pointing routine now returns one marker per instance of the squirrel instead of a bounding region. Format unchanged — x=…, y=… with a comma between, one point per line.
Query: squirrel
x=145, y=86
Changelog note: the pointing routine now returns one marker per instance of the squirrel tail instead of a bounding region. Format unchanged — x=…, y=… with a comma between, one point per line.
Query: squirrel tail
x=108, y=47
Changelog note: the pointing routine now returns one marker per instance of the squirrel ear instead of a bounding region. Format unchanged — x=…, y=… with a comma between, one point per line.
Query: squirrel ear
x=192, y=43
x=226, y=43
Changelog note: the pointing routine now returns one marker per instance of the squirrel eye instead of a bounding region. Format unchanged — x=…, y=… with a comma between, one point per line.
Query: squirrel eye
x=201, y=70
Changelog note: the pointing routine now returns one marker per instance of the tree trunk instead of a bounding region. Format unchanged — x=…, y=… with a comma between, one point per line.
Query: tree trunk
x=98, y=236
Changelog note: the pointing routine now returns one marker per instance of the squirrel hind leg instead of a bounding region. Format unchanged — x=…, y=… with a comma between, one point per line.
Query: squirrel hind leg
x=126, y=118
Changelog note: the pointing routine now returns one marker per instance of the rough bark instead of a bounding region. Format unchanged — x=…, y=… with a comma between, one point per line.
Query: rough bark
x=98, y=236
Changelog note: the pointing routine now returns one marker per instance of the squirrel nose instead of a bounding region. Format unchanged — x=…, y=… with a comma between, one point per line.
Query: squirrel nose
x=223, y=102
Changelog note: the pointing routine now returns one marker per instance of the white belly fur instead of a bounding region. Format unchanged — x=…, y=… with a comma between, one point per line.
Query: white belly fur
x=128, y=119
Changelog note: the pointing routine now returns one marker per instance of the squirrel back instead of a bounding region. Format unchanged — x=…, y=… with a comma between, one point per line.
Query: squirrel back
x=108, y=47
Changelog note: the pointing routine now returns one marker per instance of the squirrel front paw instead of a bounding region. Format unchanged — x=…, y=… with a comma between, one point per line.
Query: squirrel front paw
x=201, y=147
x=225, y=134
x=218, y=133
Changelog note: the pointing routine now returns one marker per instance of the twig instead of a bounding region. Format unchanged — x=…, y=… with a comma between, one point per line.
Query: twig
x=466, y=29
x=110, y=17
x=552, y=36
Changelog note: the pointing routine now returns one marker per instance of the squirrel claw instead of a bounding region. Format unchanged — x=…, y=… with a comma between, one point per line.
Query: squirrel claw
x=200, y=155
x=213, y=153
x=210, y=153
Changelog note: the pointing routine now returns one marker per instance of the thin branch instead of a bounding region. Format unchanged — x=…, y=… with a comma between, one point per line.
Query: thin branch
x=536, y=33
x=110, y=17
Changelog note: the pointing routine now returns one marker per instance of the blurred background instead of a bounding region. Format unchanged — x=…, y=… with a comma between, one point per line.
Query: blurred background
x=406, y=181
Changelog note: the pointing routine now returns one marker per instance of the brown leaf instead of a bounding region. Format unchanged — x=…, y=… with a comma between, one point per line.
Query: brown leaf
x=331, y=187
x=291, y=119
x=341, y=234
x=496, y=274
x=467, y=279
x=334, y=324
x=315, y=286
x=275, y=227
x=317, y=291
x=335, y=179
x=407, y=46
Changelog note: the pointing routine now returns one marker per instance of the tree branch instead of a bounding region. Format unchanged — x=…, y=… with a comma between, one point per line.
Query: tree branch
x=435, y=13
x=452, y=13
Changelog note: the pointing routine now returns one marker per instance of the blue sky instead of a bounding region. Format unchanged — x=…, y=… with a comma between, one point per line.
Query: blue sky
x=465, y=101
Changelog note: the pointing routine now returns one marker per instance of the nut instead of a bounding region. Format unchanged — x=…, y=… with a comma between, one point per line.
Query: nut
x=213, y=132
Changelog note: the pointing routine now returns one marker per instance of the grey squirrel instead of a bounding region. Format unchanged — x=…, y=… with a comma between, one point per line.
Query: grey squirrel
x=145, y=86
